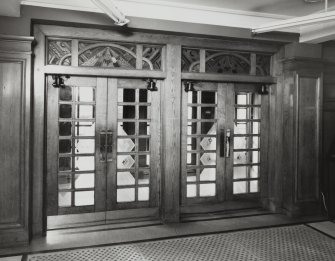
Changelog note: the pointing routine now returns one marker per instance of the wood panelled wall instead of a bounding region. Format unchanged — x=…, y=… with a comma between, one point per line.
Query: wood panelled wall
x=15, y=67
x=328, y=160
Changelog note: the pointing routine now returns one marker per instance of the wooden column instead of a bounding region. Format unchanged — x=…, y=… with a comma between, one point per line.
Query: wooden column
x=171, y=130
x=15, y=64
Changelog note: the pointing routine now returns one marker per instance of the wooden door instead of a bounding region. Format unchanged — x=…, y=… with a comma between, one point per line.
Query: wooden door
x=220, y=143
x=103, y=146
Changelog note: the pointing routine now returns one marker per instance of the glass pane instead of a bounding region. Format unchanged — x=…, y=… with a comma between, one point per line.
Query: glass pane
x=208, y=143
x=84, y=198
x=256, y=99
x=64, y=199
x=191, y=128
x=254, y=171
x=144, y=128
x=255, y=128
x=240, y=187
x=126, y=95
x=65, y=111
x=192, y=97
x=240, y=172
x=241, y=113
x=255, y=142
x=240, y=157
x=191, y=159
x=84, y=181
x=65, y=93
x=84, y=163
x=126, y=128
x=125, y=178
x=65, y=146
x=125, y=161
x=143, y=193
x=208, y=128
x=207, y=190
x=253, y=186
x=84, y=146
x=208, y=113
x=191, y=144
x=84, y=111
x=125, y=145
x=143, y=145
x=208, y=159
x=144, y=112
x=191, y=191
x=65, y=128
x=126, y=112
x=64, y=182
x=255, y=157
x=240, y=128
x=126, y=195
x=208, y=174
x=145, y=96
x=85, y=128
x=191, y=175
x=143, y=176
x=241, y=99
x=64, y=164
x=192, y=113
x=240, y=142
x=144, y=161
x=86, y=94
x=208, y=97
x=255, y=113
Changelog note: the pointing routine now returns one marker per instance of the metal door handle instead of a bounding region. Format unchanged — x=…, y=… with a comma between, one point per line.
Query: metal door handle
x=103, y=145
x=222, y=148
x=228, y=136
x=109, y=141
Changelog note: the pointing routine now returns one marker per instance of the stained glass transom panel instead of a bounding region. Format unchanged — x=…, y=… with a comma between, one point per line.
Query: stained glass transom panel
x=227, y=62
x=190, y=60
x=59, y=52
x=152, y=57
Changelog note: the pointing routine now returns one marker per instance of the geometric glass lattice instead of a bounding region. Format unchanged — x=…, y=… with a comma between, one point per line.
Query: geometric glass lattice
x=190, y=60
x=152, y=57
x=59, y=52
x=263, y=62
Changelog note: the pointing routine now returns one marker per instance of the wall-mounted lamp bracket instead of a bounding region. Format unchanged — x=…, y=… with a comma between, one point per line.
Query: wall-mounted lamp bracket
x=151, y=85
x=189, y=86
x=264, y=89
x=59, y=80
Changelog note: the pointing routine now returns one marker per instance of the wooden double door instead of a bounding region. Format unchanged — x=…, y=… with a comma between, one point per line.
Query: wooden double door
x=102, y=146
x=221, y=143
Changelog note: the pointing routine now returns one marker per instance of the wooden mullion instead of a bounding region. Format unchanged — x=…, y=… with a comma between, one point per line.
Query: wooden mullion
x=252, y=64
x=73, y=149
x=199, y=121
x=202, y=61
x=184, y=137
x=74, y=53
x=139, y=56
x=134, y=103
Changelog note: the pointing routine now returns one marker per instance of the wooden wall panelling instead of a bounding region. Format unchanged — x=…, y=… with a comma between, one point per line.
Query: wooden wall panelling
x=15, y=60
x=171, y=129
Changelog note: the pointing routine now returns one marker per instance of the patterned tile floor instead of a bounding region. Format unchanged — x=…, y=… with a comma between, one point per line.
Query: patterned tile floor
x=290, y=243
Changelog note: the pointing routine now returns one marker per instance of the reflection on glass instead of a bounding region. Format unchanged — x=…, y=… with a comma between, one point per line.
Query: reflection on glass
x=64, y=199
x=65, y=146
x=240, y=142
x=208, y=97
x=126, y=128
x=64, y=163
x=64, y=182
x=143, y=161
x=192, y=97
x=84, y=198
x=191, y=159
x=240, y=172
x=240, y=157
x=84, y=181
x=255, y=128
x=208, y=174
x=126, y=112
x=191, y=175
x=125, y=178
x=208, y=143
x=255, y=142
x=84, y=128
x=208, y=159
x=143, y=193
x=240, y=128
x=192, y=112
x=241, y=99
x=207, y=190
x=126, y=95
x=144, y=145
x=255, y=113
x=65, y=128
x=145, y=96
x=65, y=111
x=241, y=113
x=143, y=176
x=84, y=163
x=125, y=195
x=208, y=128
x=85, y=94
x=191, y=191
x=125, y=145
x=253, y=186
x=255, y=157
x=85, y=111
x=144, y=128
x=208, y=113
x=144, y=113
x=191, y=128
x=84, y=146
x=65, y=93
x=125, y=161
x=256, y=99
x=191, y=144
x=240, y=187
x=254, y=171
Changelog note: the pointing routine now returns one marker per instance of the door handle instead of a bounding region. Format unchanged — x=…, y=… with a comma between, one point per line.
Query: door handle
x=228, y=137
x=222, y=148
x=109, y=142
x=103, y=145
